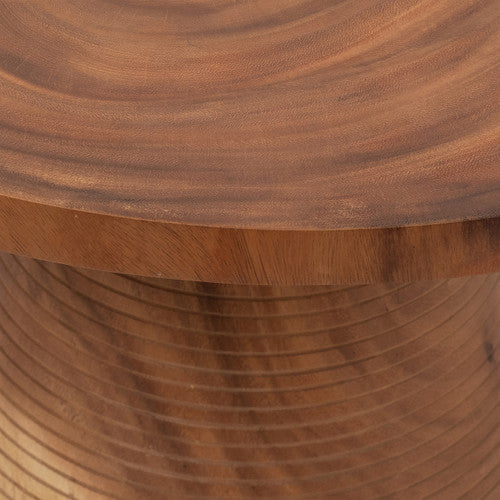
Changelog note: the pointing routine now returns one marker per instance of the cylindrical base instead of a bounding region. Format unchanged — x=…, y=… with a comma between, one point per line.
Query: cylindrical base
x=122, y=387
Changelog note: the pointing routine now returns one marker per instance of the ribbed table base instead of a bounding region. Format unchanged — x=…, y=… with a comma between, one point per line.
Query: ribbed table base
x=122, y=387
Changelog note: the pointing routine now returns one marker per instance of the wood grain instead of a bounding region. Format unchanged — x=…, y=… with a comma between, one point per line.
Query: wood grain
x=181, y=145
x=314, y=117
x=134, y=388
x=225, y=255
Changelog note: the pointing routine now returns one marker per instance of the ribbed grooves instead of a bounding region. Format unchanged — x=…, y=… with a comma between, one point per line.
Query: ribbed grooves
x=120, y=387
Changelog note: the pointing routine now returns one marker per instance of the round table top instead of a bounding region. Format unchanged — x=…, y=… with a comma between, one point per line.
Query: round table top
x=262, y=141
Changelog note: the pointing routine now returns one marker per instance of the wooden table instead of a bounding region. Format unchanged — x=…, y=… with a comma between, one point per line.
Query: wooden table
x=250, y=249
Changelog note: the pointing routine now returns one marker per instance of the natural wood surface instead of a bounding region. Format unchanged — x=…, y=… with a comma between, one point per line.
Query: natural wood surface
x=136, y=388
x=244, y=125
x=183, y=144
x=253, y=256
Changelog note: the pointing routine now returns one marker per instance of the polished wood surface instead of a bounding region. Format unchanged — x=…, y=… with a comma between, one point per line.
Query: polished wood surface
x=316, y=117
x=134, y=388
x=252, y=249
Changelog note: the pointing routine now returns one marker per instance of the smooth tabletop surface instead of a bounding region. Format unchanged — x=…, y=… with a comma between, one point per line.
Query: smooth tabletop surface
x=303, y=116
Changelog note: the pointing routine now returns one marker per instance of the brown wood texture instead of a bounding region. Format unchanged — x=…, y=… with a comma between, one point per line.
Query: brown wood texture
x=346, y=147
x=138, y=388
x=250, y=132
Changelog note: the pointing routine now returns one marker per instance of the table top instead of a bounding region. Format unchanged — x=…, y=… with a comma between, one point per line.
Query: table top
x=299, y=122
